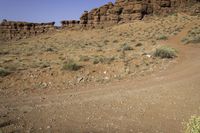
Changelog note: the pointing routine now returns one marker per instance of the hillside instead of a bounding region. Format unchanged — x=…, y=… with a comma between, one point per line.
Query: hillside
x=121, y=85
x=90, y=75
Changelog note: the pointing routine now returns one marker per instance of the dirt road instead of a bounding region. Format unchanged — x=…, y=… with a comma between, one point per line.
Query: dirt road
x=155, y=103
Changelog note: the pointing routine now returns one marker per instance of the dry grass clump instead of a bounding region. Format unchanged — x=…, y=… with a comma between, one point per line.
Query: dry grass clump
x=165, y=52
x=84, y=58
x=125, y=47
x=193, y=126
x=103, y=60
x=40, y=64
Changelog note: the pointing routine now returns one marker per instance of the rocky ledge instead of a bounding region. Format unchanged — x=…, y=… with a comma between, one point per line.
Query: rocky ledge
x=18, y=30
x=123, y=11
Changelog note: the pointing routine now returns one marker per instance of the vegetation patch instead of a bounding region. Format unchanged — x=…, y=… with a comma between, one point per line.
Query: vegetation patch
x=138, y=44
x=193, y=126
x=71, y=65
x=4, y=52
x=103, y=60
x=125, y=47
x=84, y=58
x=40, y=64
x=161, y=37
x=193, y=36
x=49, y=49
x=4, y=72
x=165, y=52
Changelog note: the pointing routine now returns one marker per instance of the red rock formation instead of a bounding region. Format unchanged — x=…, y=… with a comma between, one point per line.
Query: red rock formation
x=18, y=30
x=107, y=15
x=128, y=10
x=72, y=24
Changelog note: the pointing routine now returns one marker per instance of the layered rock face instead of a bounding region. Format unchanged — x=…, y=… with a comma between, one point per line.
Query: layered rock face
x=125, y=11
x=70, y=24
x=18, y=30
x=121, y=11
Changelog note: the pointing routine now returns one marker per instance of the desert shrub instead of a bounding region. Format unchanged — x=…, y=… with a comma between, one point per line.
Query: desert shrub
x=4, y=72
x=84, y=58
x=12, y=66
x=165, y=52
x=103, y=60
x=138, y=44
x=49, y=50
x=107, y=60
x=193, y=126
x=193, y=36
x=115, y=41
x=126, y=47
x=40, y=64
x=44, y=65
x=4, y=52
x=71, y=65
x=193, y=39
x=95, y=61
x=161, y=37
x=106, y=41
x=185, y=40
x=99, y=50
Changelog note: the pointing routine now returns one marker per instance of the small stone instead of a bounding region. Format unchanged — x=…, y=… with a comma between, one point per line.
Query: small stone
x=80, y=79
x=48, y=127
x=44, y=84
x=107, y=78
x=149, y=56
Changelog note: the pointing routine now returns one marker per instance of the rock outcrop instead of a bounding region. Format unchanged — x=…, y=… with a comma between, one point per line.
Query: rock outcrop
x=71, y=24
x=18, y=30
x=121, y=11
x=125, y=11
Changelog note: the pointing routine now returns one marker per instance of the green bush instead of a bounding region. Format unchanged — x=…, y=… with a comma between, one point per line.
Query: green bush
x=193, y=39
x=4, y=72
x=193, y=126
x=165, y=52
x=161, y=37
x=193, y=36
x=71, y=65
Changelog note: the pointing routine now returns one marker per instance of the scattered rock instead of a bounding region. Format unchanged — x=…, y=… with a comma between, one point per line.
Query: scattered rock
x=80, y=79
x=48, y=127
x=106, y=78
x=149, y=56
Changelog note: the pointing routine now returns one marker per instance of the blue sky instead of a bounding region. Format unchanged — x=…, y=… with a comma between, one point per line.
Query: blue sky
x=46, y=10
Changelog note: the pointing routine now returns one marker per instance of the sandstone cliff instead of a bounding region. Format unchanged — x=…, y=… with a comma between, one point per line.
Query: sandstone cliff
x=125, y=11
x=121, y=11
x=18, y=30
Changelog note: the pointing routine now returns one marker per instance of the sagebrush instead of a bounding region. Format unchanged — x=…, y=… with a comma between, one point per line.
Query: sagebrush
x=165, y=52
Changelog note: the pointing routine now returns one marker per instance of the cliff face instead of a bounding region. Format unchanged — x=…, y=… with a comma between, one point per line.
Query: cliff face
x=126, y=11
x=18, y=30
x=121, y=11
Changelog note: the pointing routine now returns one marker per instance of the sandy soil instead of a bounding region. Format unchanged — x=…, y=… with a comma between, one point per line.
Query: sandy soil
x=159, y=102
